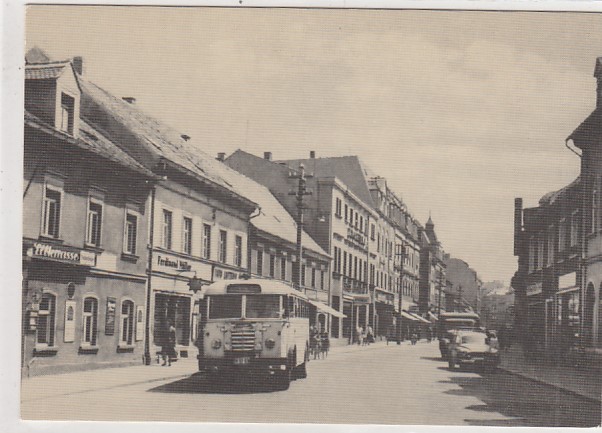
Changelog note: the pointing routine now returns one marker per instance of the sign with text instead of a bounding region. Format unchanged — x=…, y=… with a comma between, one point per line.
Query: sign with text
x=61, y=253
x=173, y=264
x=110, y=316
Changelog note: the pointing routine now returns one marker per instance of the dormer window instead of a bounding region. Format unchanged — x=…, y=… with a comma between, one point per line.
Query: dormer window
x=67, y=113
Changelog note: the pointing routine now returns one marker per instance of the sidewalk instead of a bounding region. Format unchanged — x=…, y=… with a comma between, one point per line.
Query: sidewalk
x=47, y=386
x=582, y=382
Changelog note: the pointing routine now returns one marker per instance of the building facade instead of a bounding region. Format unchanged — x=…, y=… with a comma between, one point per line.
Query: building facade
x=466, y=286
x=85, y=212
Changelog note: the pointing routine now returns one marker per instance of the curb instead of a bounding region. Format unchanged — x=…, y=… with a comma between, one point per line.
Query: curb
x=552, y=385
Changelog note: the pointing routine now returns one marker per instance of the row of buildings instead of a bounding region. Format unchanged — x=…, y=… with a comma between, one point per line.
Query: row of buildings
x=126, y=220
x=559, y=247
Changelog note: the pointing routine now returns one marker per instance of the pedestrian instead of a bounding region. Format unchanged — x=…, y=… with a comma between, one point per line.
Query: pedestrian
x=429, y=334
x=369, y=335
x=359, y=332
x=168, y=349
x=414, y=338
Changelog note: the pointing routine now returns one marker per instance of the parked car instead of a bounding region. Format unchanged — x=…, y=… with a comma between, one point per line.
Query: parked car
x=470, y=348
x=451, y=322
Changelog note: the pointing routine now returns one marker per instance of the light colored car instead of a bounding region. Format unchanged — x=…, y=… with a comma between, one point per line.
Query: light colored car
x=469, y=348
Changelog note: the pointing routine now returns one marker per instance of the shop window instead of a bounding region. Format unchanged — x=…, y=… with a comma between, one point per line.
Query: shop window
x=46, y=318
x=127, y=322
x=175, y=310
x=131, y=233
x=206, y=241
x=187, y=235
x=94, y=223
x=90, y=321
x=223, y=245
x=51, y=212
x=166, y=241
x=67, y=113
x=238, y=251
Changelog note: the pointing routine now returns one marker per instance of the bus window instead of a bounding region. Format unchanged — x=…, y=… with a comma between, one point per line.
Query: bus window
x=263, y=307
x=225, y=307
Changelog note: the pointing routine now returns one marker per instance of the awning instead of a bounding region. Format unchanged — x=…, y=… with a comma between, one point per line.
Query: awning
x=421, y=319
x=407, y=316
x=567, y=290
x=326, y=309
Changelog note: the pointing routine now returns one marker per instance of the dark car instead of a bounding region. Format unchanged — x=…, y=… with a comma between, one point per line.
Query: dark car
x=470, y=348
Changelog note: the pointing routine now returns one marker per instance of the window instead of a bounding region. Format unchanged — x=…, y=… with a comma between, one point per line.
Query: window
x=346, y=211
x=372, y=231
x=67, y=113
x=90, y=319
x=345, y=263
x=260, y=262
x=206, y=241
x=562, y=235
x=127, y=322
x=322, y=280
x=223, y=245
x=238, y=251
x=361, y=227
x=595, y=205
x=167, y=229
x=551, y=246
x=357, y=221
x=51, y=212
x=46, y=317
x=574, y=229
x=313, y=277
x=283, y=268
x=187, y=235
x=94, y=224
x=131, y=231
x=272, y=265
x=355, y=267
x=338, y=207
x=303, y=275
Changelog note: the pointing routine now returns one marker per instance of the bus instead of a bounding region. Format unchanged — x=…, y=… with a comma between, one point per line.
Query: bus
x=448, y=322
x=256, y=327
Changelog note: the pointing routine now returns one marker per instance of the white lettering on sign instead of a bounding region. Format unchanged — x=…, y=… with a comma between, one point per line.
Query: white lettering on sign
x=52, y=252
x=174, y=263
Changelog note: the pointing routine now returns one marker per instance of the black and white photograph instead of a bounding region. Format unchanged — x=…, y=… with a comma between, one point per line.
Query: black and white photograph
x=305, y=215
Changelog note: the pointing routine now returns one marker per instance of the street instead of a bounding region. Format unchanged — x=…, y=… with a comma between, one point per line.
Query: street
x=378, y=384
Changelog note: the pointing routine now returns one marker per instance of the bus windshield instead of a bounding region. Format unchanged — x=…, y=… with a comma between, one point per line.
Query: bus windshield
x=225, y=307
x=263, y=307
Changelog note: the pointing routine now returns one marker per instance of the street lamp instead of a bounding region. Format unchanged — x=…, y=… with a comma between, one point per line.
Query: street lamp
x=301, y=191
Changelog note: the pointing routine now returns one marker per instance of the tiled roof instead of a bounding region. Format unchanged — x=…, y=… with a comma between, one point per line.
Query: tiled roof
x=162, y=140
x=346, y=168
x=92, y=140
x=44, y=71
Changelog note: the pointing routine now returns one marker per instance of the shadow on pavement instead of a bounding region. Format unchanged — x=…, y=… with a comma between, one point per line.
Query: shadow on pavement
x=200, y=384
x=524, y=403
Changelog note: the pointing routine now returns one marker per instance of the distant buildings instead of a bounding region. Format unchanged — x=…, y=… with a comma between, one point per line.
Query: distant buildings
x=465, y=284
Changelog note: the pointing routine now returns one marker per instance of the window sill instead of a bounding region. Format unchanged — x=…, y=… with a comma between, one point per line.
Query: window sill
x=45, y=351
x=85, y=349
x=94, y=248
x=50, y=239
x=125, y=348
x=128, y=257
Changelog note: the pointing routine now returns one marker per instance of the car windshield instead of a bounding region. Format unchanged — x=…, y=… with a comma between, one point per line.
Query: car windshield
x=473, y=338
x=263, y=307
x=225, y=307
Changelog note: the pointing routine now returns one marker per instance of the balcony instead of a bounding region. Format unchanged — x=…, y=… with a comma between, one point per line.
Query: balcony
x=351, y=285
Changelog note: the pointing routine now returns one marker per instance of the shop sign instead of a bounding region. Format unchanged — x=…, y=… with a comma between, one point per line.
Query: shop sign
x=567, y=280
x=59, y=253
x=170, y=263
x=355, y=236
x=534, y=289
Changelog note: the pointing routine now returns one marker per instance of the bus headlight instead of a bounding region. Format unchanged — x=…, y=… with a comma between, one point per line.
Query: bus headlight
x=270, y=343
x=216, y=344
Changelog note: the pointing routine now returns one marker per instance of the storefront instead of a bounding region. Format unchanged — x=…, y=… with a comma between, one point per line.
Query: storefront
x=384, y=305
x=75, y=316
x=536, y=327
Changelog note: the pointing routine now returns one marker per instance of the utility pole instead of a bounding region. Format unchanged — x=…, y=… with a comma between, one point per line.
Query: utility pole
x=301, y=192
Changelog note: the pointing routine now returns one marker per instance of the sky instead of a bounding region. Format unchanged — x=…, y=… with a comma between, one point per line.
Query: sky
x=460, y=111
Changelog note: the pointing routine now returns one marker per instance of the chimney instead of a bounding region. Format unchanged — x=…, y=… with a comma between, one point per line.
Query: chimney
x=78, y=65
x=598, y=76
x=129, y=99
x=518, y=224
x=312, y=154
x=267, y=155
x=221, y=156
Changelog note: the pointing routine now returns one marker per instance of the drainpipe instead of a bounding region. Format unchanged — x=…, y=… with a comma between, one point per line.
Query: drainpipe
x=151, y=246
